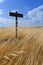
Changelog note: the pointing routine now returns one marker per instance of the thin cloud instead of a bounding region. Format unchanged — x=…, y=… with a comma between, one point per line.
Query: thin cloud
x=6, y=22
x=14, y=10
x=1, y=11
x=36, y=15
x=1, y=1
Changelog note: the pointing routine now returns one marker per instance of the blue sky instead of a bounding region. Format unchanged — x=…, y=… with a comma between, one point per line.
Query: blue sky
x=31, y=9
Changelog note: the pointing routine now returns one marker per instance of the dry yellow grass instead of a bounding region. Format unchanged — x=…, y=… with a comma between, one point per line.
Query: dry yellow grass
x=27, y=50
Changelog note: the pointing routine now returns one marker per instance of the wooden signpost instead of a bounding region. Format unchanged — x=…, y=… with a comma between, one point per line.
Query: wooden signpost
x=16, y=14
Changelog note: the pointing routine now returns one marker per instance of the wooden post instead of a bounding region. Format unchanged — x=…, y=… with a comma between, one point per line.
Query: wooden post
x=16, y=15
x=16, y=28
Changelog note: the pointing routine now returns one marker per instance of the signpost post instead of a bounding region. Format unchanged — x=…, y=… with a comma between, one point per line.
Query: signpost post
x=16, y=14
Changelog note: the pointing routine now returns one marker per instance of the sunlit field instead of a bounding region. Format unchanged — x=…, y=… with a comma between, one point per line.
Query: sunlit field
x=26, y=50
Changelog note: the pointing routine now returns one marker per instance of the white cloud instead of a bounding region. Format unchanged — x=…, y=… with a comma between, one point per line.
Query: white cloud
x=2, y=19
x=36, y=15
x=6, y=22
x=1, y=11
x=1, y=1
x=14, y=10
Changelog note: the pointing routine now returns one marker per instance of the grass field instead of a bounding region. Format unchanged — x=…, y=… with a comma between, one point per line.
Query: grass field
x=26, y=50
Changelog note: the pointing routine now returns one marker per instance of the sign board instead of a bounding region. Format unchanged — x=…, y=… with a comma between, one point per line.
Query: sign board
x=16, y=14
